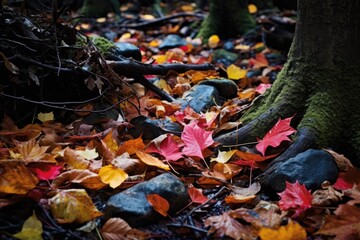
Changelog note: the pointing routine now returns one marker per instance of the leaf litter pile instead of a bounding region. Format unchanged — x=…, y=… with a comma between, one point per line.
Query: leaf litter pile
x=56, y=177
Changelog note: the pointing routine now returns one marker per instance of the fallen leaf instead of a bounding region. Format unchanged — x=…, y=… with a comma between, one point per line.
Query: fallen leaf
x=252, y=8
x=252, y=157
x=342, y=162
x=31, y=230
x=87, y=154
x=280, y=132
x=196, y=139
x=85, y=178
x=292, y=231
x=110, y=142
x=74, y=160
x=16, y=178
x=262, y=87
x=223, y=157
x=225, y=171
x=112, y=175
x=243, y=195
x=46, y=172
x=30, y=151
x=131, y=146
x=224, y=225
x=295, y=197
x=44, y=117
x=151, y=161
x=345, y=224
x=118, y=229
x=346, y=180
x=126, y=163
x=168, y=148
x=235, y=73
x=196, y=195
x=326, y=196
x=160, y=204
x=73, y=206
x=353, y=193
x=213, y=41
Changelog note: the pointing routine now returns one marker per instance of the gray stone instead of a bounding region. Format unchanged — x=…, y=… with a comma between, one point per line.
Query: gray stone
x=222, y=54
x=311, y=168
x=172, y=41
x=227, y=88
x=200, y=98
x=132, y=205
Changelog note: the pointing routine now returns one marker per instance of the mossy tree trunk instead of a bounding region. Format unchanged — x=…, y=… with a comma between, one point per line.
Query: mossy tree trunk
x=227, y=19
x=319, y=84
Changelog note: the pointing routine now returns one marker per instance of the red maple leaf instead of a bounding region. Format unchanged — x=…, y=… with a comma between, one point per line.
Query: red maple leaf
x=168, y=148
x=196, y=139
x=295, y=197
x=196, y=195
x=280, y=132
x=46, y=171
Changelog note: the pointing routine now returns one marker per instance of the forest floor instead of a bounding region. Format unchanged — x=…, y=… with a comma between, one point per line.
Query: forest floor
x=46, y=164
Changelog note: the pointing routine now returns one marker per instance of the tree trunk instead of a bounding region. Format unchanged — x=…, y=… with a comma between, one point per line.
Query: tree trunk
x=319, y=84
x=227, y=19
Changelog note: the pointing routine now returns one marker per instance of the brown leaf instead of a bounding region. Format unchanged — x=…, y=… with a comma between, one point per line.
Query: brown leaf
x=224, y=225
x=342, y=162
x=15, y=178
x=85, y=178
x=345, y=224
x=354, y=193
x=118, y=229
x=30, y=151
x=73, y=206
x=74, y=160
x=160, y=204
x=127, y=163
x=151, y=161
x=326, y=196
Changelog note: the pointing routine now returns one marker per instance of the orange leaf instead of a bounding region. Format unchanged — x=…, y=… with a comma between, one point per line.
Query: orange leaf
x=110, y=142
x=16, y=178
x=196, y=195
x=118, y=229
x=30, y=151
x=160, y=204
x=292, y=231
x=74, y=160
x=131, y=146
x=151, y=161
x=73, y=206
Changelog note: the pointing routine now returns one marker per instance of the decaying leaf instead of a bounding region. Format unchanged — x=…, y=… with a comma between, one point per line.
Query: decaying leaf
x=160, y=204
x=196, y=195
x=131, y=146
x=30, y=151
x=326, y=196
x=151, y=161
x=73, y=206
x=223, y=157
x=292, y=231
x=85, y=178
x=16, y=178
x=74, y=160
x=31, y=230
x=118, y=229
x=44, y=117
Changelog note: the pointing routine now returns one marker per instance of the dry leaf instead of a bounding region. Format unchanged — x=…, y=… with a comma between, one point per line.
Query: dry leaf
x=31, y=230
x=118, y=229
x=85, y=178
x=151, y=161
x=74, y=160
x=131, y=146
x=30, y=151
x=73, y=206
x=112, y=175
x=292, y=231
x=44, y=117
x=159, y=204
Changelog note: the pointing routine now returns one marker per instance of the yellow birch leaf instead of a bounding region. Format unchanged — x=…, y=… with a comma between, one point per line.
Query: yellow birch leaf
x=235, y=73
x=110, y=142
x=73, y=206
x=118, y=229
x=213, y=41
x=292, y=231
x=151, y=161
x=44, y=117
x=112, y=175
x=15, y=178
x=223, y=157
x=31, y=230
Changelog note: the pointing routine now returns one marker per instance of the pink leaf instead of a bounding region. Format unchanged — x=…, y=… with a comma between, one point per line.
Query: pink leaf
x=196, y=139
x=342, y=184
x=168, y=148
x=276, y=135
x=295, y=197
x=47, y=172
x=262, y=87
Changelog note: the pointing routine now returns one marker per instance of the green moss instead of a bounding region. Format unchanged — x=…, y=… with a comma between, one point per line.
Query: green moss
x=102, y=44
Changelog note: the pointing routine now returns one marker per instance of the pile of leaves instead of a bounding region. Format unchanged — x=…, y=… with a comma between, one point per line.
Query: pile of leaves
x=62, y=174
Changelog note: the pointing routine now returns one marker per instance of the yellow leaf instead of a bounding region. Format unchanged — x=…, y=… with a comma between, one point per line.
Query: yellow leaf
x=31, y=230
x=73, y=206
x=151, y=161
x=252, y=8
x=74, y=160
x=101, y=20
x=235, y=72
x=118, y=229
x=30, y=151
x=154, y=43
x=223, y=157
x=112, y=175
x=44, y=117
x=110, y=142
x=292, y=231
x=16, y=178
x=160, y=59
x=213, y=41
x=162, y=84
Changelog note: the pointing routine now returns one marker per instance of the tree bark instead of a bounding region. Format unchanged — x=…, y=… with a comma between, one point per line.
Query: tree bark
x=319, y=84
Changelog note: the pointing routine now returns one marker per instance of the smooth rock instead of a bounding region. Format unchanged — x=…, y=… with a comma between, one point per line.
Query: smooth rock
x=227, y=88
x=132, y=205
x=200, y=98
x=172, y=41
x=151, y=128
x=311, y=168
x=224, y=55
